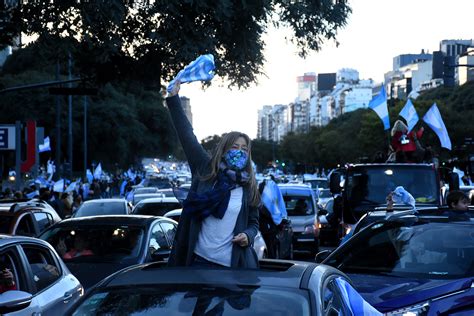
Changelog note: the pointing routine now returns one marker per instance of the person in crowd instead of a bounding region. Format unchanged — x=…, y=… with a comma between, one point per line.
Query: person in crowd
x=77, y=203
x=18, y=195
x=81, y=247
x=7, y=281
x=220, y=215
x=406, y=143
x=458, y=204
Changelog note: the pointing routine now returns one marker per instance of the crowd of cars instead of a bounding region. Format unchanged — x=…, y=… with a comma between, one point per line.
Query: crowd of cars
x=110, y=257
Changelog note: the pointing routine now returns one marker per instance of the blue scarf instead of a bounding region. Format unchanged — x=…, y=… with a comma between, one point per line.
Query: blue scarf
x=215, y=201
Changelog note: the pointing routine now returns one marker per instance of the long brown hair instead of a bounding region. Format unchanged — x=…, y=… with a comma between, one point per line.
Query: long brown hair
x=226, y=142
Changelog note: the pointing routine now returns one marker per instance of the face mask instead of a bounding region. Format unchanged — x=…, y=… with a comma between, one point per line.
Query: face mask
x=236, y=159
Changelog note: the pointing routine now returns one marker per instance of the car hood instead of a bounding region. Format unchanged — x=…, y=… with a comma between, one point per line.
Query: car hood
x=387, y=293
x=299, y=222
x=91, y=273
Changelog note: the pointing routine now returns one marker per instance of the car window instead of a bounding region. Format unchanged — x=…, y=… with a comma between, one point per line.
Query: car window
x=5, y=223
x=101, y=208
x=25, y=226
x=43, y=267
x=158, y=239
x=43, y=220
x=170, y=230
x=10, y=272
x=155, y=209
x=298, y=205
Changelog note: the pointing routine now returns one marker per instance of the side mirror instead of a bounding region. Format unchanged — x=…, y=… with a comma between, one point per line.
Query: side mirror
x=335, y=182
x=453, y=181
x=12, y=301
x=322, y=255
x=322, y=212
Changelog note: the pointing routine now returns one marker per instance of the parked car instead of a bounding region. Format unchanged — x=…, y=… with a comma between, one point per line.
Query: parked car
x=328, y=228
x=143, y=190
x=26, y=218
x=138, y=197
x=156, y=206
x=411, y=264
x=324, y=196
x=277, y=288
x=95, y=247
x=300, y=202
x=258, y=245
x=103, y=207
x=40, y=283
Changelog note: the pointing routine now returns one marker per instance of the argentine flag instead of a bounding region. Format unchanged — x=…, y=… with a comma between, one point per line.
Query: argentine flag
x=45, y=146
x=59, y=186
x=434, y=120
x=409, y=114
x=273, y=201
x=98, y=171
x=379, y=105
x=201, y=69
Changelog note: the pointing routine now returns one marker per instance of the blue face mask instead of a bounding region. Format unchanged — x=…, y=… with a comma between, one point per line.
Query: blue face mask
x=236, y=159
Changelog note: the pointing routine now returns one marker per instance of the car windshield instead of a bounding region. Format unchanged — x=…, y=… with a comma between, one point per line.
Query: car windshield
x=5, y=222
x=159, y=183
x=100, y=208
x=298, y=205
x=196, y=300
x=96, y=243
x=145, y=190
x=155, y=209
x=318, y=184
x=423, y=250
x=372, y=185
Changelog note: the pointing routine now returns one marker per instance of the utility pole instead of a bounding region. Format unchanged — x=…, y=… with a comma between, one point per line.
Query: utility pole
x=58, y=127
x=70, y=119
x=85, y=137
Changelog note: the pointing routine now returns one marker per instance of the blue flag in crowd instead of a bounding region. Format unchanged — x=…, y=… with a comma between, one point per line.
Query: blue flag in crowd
x=98, y=171
x=354, y=301
x=131, y=174
x=379, y=105
x=72, y=186
x=201, y=69
x=59, y=186
x=409, y=114
x=45, y=146
x=122, y=187
x=434, y=120
x=273, y=201
x=89, y=176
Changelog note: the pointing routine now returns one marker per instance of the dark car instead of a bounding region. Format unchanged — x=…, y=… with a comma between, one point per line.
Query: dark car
x=103, y=207
x=277, y=288
x=95, y=247
x=26, y=218
x=156, y=206
x=39, y=282
x=413, y=264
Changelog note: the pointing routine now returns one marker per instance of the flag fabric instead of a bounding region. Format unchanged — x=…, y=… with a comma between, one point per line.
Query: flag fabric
x=402, y=196
x=71, y=187
x=45, y=146
x=89, y=176
x=201, y=69
x=354, y=301
x=434, y=120
x=122, y=187
x=131, y=174
x=409, y=114
x=460, y=175
x=98, y=171
x=273, y=201
x=59, y=186
x=379, y=105
x=32, y=194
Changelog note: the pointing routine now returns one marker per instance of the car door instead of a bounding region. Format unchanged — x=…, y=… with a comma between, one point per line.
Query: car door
x=54, y=288
x=158, y=245
x=170, y=231
x=25, y=225
x=43, y=220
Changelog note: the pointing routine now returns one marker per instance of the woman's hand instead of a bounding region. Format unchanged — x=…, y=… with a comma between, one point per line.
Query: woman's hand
x=175, y=89
x=241, y=239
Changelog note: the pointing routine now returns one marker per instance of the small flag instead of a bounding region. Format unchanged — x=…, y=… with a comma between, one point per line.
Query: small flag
x=273, y=201
x=409, y=114
x=201, y=69
x=379, y=105
x=98, y=171
x=71, y=187
x=89, y=176
x=59, y=186
x=45, y=146
x=434, y=120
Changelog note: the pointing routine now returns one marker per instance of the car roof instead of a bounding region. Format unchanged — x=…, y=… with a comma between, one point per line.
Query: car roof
x=300, y=189
x=139, y=220
x=105, y=201
x=9, y=239
x=168, y=199
x=275, y=273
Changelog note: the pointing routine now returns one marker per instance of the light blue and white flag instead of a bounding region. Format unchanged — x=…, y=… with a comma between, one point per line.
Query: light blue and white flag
x=131, y=174
x=98, y=171
x=59, y=186
x=89, y=176
x=354, y=301
x=273, y=201
x=45, y=146
x=32, y=194
x=201, y=69
x=409, y=114
x=71, y=187
x=122, y=187
x=379, y=105
x=434, y=120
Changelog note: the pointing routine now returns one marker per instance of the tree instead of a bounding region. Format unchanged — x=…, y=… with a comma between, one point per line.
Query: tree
x=152, y=40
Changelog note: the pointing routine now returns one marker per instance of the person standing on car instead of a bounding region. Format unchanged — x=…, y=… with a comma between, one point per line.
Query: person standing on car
x=220, y=218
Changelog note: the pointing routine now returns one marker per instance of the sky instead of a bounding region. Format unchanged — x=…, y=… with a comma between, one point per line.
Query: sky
x=376, y=31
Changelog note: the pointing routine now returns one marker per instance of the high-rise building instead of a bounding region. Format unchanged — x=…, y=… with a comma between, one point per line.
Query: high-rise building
x=306, y=86
x=326, y=83
x=186, y=104
x=406, y=59
x=466, y=66
x=455, y=48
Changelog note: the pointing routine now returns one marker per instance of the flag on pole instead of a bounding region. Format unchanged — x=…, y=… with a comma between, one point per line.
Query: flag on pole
x=71, y=187
x=98, y=171
x=59, y=186
x=409, y=114
x=273, y=201
x=45, y=146
x=89, y=176
x=434, y=120
x=379, y=105
x=201, y=69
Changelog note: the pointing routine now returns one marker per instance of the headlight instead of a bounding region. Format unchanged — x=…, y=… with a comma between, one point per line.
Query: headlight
x=414, y=310
x=308, y=229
